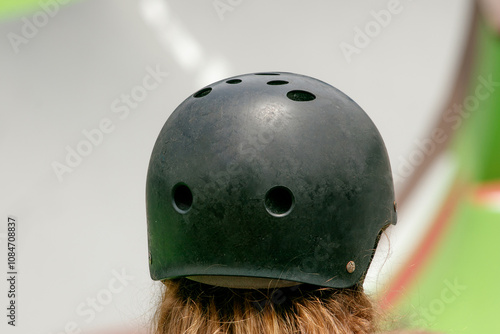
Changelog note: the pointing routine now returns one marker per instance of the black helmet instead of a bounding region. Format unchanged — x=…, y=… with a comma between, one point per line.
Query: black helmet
x=267, y=176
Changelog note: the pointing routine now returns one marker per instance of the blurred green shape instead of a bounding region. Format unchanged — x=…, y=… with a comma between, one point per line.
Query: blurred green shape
x=478, y=140
x=457, y=291
x=16, y=8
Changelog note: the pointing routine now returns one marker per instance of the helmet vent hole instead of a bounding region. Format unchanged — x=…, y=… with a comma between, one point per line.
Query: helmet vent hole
x=182, y=198
x=203, y=92
x=266, y=73
x=279, y=201
x=300, y=95
x=233, y=81
x=277, y=82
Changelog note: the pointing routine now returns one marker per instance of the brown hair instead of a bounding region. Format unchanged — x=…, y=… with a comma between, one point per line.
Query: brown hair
x=189, y=307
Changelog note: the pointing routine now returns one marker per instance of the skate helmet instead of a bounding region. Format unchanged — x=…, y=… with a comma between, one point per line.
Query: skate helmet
x=267, y=177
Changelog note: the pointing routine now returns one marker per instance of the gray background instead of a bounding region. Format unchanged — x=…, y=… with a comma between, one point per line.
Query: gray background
x=74, y=233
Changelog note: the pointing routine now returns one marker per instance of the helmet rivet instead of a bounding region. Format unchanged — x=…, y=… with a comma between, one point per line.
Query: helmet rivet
x=351, y=266
x=395, y=206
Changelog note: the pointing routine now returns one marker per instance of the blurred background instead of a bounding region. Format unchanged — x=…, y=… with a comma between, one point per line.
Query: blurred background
x=86, y=85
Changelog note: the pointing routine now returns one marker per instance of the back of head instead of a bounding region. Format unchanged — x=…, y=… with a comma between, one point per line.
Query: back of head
x=191, y=307
x=260, y=187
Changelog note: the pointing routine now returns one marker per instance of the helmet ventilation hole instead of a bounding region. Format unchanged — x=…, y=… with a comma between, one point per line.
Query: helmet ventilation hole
x=233, y=81
x=277, y=82
x=202, y=92
x=182, y=198
x=279, y=201
x=300, y=95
